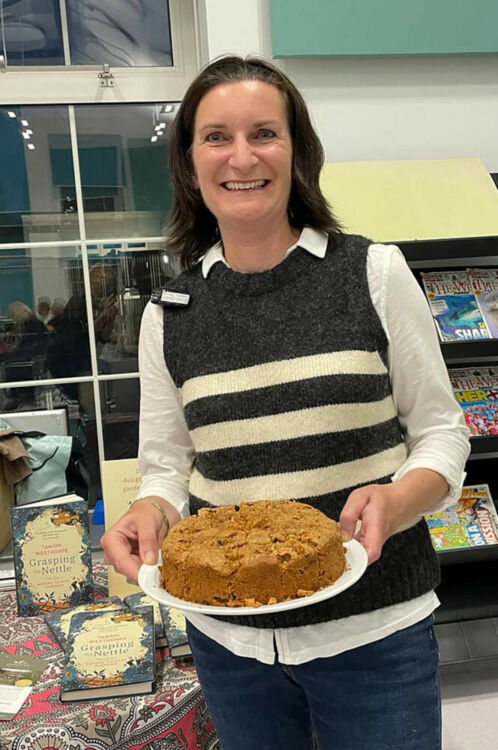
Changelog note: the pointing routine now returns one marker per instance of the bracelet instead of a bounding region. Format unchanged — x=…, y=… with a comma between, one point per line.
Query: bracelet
x=156, y=505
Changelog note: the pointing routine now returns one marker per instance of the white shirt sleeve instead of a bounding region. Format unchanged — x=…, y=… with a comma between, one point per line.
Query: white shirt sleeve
x=165, y=449
x=433, y=423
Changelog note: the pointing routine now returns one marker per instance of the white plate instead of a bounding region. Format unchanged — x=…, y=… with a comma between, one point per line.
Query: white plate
x=356, y=563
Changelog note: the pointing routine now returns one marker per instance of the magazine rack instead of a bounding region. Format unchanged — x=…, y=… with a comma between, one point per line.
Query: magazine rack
x=465, y=623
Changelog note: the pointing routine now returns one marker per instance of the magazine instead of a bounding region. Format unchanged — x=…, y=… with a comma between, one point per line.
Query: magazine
x=471, y=522
x=476, y=390
x=484, y=283
x=454, y=306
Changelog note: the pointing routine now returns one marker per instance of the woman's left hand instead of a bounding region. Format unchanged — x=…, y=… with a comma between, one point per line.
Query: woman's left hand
x=376, y=507
x=382, y=509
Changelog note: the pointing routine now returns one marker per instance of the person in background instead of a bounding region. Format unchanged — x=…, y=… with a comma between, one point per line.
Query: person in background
x=43, y=309
x=321, y=345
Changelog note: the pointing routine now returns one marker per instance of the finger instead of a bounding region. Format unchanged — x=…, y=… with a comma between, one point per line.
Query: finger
x=121, y=553
x=148, y=545
x=352, y=512
x=372, y=534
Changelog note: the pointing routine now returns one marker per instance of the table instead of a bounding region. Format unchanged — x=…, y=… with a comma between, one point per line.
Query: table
x=172, y=718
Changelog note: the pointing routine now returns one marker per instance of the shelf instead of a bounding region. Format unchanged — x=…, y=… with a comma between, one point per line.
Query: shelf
x=468, y=592
x=483, y=446
x=453, y=253
x=468, y=555
x=470, y=352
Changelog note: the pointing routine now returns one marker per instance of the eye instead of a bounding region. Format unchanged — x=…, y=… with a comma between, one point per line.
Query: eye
x=266, y=133
x=214, y=138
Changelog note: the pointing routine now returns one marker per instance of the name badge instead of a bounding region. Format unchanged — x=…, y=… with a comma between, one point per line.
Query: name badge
x=170, y=299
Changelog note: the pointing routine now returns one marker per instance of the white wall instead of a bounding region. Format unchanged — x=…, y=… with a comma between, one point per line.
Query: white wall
x=429, y=107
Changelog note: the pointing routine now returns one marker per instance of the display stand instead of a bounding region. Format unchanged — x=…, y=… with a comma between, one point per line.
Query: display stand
x=467, y=621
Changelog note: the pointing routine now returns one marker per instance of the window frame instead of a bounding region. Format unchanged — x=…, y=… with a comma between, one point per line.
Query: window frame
x=74, y=84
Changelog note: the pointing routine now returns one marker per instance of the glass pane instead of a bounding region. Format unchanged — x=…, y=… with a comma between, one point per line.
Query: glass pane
x=43, y=322
x=80, y=404
x=123, y=151
x=122, y=277
x=37, y=196
x=120, y=401
x=130, y=32
x=32, y=30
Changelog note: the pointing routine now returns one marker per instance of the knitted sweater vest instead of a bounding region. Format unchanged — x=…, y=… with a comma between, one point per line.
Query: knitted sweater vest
x=286, y=395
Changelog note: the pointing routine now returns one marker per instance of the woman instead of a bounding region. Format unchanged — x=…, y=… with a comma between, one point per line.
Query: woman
x=303, y=363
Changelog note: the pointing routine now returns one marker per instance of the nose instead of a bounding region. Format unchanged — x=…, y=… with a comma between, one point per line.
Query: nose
x=242, y=155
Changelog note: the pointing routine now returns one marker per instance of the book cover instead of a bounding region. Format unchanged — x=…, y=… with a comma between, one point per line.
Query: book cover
x=471, y=522
x=138, y=600
x=175, y=628
x=59, y=620
x=476, y=390
x=484, y=283
x=109, y=653
x=454, y=306
x=52, y=555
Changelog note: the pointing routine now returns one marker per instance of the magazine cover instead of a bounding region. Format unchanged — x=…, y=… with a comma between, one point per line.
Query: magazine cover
x=476, y=390
x=454, y=306
x=484, y=283
x=472, y=522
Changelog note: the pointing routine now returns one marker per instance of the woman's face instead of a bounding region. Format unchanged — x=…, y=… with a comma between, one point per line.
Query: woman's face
x=242, y=153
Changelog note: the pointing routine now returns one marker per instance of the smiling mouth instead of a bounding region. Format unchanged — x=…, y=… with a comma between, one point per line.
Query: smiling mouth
x=254, y=185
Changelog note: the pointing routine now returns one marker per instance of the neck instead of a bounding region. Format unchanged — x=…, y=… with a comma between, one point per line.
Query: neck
x=257, y=249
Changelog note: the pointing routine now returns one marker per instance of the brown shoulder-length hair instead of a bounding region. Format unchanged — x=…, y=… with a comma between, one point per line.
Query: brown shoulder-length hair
x=192, y=228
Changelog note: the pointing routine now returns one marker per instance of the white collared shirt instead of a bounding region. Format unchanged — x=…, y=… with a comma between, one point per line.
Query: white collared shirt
x=433, y=424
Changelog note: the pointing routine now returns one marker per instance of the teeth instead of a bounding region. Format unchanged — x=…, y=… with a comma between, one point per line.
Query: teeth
x=244, y=185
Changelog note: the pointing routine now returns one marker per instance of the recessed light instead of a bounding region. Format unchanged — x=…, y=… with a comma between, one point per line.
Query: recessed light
x=26, y=135
x=31, y=146
x=154, y=138
x=11, y=114
x=25, y=123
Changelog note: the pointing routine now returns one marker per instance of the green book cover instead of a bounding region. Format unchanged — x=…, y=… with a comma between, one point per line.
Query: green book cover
x=52, y=555
x=109, y=653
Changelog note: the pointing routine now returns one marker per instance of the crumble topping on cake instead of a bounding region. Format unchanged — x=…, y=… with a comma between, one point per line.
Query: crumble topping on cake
x=257, y=553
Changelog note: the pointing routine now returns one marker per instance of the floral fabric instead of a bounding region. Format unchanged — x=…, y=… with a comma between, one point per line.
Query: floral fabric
x=172, y=718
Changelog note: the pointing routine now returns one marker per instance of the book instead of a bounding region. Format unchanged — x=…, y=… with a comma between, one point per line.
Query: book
x=454, y=306
x=109, y=653
x=175, y=628
x=138, y=600
x=471, y=522
x=59, y=620
x=476, y=390
x=52, y=555
x=484, y=284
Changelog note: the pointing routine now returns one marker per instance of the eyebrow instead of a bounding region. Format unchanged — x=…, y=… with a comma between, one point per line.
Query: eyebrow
x=221, y=125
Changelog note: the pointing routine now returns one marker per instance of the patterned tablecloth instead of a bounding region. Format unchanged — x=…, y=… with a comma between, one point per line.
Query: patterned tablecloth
x=172, y=718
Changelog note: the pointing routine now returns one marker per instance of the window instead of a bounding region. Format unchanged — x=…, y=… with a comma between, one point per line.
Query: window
x=84, y=199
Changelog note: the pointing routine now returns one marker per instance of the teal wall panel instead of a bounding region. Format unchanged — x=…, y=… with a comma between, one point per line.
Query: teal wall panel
x=302, y=28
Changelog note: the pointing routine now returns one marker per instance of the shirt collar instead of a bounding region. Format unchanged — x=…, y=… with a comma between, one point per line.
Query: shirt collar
x=311, y=240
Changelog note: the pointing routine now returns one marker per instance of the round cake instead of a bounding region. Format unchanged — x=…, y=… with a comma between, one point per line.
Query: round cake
x=257, y=553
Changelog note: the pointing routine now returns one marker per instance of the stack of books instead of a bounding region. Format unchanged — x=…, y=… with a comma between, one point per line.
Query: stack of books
x=109, y=644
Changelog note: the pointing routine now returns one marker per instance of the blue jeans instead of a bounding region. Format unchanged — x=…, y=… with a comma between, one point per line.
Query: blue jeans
x=382, y=696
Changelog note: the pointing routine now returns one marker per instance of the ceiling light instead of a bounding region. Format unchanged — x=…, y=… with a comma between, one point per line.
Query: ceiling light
x=29, y=132
x=31, y=146
x=26, y=135
x=154, y=138
x=25, y=123
x=157, y=128
x=11, y=114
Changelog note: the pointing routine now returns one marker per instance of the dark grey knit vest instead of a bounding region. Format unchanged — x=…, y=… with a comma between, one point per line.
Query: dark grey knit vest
x=287, y=395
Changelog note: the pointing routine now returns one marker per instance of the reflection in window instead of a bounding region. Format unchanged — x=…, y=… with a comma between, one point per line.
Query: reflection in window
x=120, y=400
x=122, y=277
x=119, y=32
x=123, y=152
x=32, y=32
x=36, y=204
x=81, y=423
x=43, y=322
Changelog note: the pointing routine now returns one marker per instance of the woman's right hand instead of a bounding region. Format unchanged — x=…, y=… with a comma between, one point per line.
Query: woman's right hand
x=137, y=537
